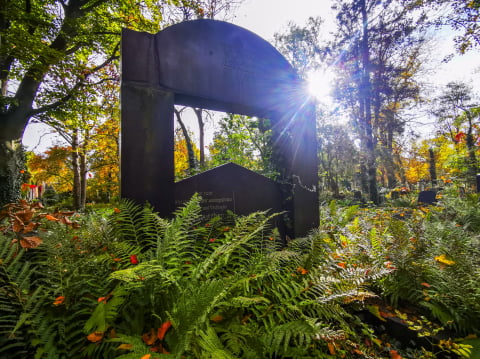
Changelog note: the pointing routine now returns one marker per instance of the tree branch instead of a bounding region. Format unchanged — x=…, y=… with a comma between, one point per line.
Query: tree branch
x=78, y=85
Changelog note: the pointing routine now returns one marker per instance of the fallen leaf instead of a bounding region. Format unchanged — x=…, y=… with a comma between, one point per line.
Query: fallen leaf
x=375, y=310
x=163, y=329
x=59, y=300
x=125, y=346
x=30, y=227
x=149, y=338
x=30, y=242
x=216, y=318
x=95, y=337
x=331, y=348
x=394, y=355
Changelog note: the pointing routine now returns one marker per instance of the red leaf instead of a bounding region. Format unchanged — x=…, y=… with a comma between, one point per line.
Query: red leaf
x=163, y=329
x=133, y=259
x=59, y=300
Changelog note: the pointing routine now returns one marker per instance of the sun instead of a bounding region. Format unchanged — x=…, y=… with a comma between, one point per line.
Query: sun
x=320, y=84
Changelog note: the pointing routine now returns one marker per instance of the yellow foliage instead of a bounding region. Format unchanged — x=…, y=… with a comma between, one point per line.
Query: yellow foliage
x=180, y=155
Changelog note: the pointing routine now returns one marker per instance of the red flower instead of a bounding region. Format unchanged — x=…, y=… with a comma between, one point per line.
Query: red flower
x=33, y=186
x=212, y=240
x=133, y=259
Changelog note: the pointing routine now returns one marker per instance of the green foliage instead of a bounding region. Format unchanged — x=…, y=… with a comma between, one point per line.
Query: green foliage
x=48, y=292
x=111, y=287
x=434, y=251
x=128, y=283
x=244, y=141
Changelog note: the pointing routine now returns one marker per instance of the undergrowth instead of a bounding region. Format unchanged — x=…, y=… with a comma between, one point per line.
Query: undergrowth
x=130, y=284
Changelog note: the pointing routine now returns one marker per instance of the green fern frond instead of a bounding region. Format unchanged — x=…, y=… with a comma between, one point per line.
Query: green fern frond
x=295, y=333
x=211, y=346
x=106, y=311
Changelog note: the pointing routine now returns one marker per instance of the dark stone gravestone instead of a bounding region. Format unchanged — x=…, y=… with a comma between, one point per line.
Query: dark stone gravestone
x=357, y=196
x=231, y=187
x=427, y=197
x=219, y=66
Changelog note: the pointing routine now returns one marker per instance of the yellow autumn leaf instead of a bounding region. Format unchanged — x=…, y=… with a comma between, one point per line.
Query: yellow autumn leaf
x=375, y=310
x=443, y=259
x=125, y=346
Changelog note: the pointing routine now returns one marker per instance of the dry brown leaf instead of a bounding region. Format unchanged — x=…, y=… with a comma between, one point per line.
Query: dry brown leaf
x=30, y=227
x=17, y=225
x=26, y=215
x=30, y=242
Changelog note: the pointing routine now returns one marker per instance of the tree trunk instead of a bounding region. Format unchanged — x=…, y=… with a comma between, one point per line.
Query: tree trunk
x=201, y=130
x=471, y=156
x=83, y=179
x=389, y=158
x=433, y=172
x=12, y=165
x=77, y=196
x=12, y=158
x=191, y=155
x=366, y=91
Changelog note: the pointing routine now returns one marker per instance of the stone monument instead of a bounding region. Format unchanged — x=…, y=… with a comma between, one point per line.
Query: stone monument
x=219, y=66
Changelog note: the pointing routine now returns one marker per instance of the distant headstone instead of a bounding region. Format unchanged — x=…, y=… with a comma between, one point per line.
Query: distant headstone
x=357, y=196
x=219, y=66
x=427, y=197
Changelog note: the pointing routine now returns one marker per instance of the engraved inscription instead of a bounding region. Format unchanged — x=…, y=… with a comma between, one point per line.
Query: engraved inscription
x=213, y=203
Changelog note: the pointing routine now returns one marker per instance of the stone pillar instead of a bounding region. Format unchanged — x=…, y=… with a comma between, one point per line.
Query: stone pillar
x=147, y=164
x=147, y=141
x=305, y=172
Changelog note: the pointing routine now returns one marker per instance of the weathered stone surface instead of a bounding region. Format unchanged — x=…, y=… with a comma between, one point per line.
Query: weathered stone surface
x=219, y=66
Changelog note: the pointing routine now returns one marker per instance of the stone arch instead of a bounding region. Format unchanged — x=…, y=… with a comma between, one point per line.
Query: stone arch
x=219, y=66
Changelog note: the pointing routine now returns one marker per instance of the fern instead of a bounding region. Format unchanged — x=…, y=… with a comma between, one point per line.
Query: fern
x=222, y=291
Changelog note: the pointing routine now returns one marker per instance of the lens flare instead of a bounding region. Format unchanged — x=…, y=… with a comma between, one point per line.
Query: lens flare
x=320, y=83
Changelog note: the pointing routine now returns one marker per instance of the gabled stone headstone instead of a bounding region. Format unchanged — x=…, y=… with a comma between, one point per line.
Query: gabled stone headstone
x=231, y=187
